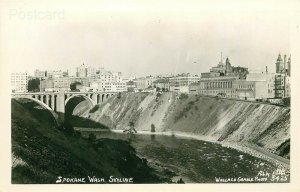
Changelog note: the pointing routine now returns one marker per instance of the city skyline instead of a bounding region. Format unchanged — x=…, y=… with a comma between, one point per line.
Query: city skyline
x=167, y=40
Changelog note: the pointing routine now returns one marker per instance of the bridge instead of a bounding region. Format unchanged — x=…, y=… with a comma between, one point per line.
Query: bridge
x=57, y=102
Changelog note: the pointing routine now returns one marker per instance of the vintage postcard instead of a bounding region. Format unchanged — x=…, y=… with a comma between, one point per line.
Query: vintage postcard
x=110, y=94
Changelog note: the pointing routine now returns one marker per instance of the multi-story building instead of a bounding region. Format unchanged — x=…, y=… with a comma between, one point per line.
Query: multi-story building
x=19, y=82
x=194, y=87
x=213, y=86
x=65, y=73
x=40, y=74
x=86, y=71
x=81, y=71
x=96, y=86
x=162, y=83
x=62, y=83
x=114, y=87
x=221, y=79
x=283, y=66
x=265, y=78
x=54, y=73
x=145, y=82
x=91, y=72
x=226, y=70
x=50, y=74
x=282, y=86
x=47, y=85
x=131, y=86
x=181, y=82
x=108, y=86
x=106, y=76
x=251, y=90
x=282, y=77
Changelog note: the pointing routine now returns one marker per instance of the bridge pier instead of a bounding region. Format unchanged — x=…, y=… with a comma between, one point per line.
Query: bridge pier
x=47, y=100
x=94, y=98
x=60, y=107
x=52, y=102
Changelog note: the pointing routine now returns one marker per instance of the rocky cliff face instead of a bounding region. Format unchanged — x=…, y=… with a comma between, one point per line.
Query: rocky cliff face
x=219, y=119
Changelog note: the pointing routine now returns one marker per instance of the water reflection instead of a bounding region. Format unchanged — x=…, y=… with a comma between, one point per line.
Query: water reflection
x=193, y=160
x=152, y=137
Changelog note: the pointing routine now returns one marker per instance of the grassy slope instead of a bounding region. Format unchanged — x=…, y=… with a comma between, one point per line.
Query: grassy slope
x=48, y=152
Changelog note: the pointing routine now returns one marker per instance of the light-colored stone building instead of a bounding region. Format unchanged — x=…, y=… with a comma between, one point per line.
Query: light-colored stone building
x=213, y=86
x=221, y=80
x=282, y=77
x=265, y=78
x=162, y=83
x=62, y=83
x=19, y=82
x=145, y=82
x=181, y=83
x=40, y=74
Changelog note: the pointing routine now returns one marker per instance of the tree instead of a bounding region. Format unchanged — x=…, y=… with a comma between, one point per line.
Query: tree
x=68, y=128
x=157, y=89
x=152, y=127
x=34, y=85
x=119, y=95
x=131, y=124
x=286, y=101
x=92, y=137
x=73, y=85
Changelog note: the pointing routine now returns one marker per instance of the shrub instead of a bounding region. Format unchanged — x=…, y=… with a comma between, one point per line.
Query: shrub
x=185, y=110
x=94, y=109
x=68, y=128
x=157, y=96
x=152, y=127
x=183, y=96
x=191, y=103
x=92, y=137
x=119, y=96
x=131, y=124
x=77, y=134
x=286, y=101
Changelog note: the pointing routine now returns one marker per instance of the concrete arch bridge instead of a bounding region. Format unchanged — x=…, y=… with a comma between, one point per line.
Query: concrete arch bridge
x=59, y=102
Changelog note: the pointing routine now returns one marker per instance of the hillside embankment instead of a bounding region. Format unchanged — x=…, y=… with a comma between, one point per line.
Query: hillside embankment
x=42, y=152
x=262, y=125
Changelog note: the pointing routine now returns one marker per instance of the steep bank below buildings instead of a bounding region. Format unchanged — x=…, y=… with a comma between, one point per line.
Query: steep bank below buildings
x=266, y=126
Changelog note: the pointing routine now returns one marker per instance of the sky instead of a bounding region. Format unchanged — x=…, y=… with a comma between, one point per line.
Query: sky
x=141, y=38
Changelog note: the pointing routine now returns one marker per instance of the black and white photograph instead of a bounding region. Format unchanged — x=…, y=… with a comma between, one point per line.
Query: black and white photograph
x=150, y=92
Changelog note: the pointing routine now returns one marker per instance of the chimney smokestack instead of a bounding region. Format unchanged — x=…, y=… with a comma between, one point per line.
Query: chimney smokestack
x=266, y=69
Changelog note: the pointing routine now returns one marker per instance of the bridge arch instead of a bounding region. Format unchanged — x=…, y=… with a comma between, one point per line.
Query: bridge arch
x=55, y=116
x=73, y=101
x=80, y=95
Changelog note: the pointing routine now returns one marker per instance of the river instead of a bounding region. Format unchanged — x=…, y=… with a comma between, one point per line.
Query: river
x=197, y=161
